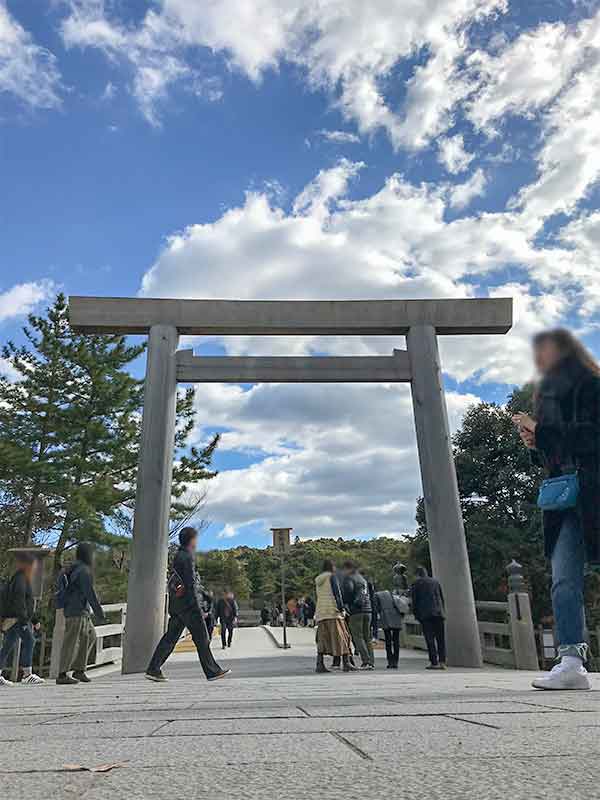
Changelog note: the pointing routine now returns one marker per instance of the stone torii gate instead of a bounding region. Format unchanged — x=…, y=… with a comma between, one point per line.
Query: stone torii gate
x=421, y=321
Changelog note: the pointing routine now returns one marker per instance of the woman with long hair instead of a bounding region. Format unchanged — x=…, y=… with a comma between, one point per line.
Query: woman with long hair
x=564, y=436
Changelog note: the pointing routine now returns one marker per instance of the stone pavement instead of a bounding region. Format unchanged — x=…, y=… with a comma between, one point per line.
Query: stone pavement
x=275, y=729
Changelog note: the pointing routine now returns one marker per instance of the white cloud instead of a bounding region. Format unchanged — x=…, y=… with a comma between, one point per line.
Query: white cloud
x=27, y=71
x=461, y=194
x=346, y=47
x=22, y=298
x=568, y=160
x=339, y=137
x=452, y=153
x=227, y=532
x=529, y=72
x=154, y=51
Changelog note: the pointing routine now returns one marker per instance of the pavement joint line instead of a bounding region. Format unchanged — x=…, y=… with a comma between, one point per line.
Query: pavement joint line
x=475, y=722
x=558, y=708
x=352, y=746
x=303, y=710
x=192, y=719
x=160, y=727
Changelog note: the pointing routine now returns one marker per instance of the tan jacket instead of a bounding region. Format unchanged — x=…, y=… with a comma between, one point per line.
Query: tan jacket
x=326, y=603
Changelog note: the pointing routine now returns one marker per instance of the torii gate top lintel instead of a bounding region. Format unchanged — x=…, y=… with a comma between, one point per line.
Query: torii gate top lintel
x=290, y=317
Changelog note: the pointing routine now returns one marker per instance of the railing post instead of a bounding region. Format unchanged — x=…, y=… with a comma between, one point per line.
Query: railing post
x=521, y=621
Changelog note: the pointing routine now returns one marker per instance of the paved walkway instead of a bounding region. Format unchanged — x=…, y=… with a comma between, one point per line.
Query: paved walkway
x=275, y=729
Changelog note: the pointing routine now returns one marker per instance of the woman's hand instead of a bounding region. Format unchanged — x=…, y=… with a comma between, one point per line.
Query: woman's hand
x=524, y=422
x=528, y=438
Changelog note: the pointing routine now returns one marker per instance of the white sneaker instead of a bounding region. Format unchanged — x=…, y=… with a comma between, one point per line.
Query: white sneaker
x=564, y=677
x=33, y=680
x=5, y=682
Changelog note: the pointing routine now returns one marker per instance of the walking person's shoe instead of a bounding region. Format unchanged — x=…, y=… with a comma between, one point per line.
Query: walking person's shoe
x=321, y=668
x=32, y=680
x=367, y=667
x=5, y=682
x=433, y=666
x=568, y=675
x=66, y=680
x=336, y=663
x=349, y=665
x=81, y=676
x=219, y=675
x=443, y=665
x=156, y=675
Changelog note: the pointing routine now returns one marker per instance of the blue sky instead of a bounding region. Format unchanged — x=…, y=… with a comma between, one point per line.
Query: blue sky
x=359, y=148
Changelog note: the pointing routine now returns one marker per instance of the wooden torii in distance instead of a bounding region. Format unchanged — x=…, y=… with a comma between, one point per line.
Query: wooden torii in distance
x=421, y=321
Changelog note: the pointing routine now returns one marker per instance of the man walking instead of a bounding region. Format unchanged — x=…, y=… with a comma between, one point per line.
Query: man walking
x=186, y=598
x=355, y=593
x=390, y=616
x=18, y=621
x=79, y=600
x=227, y=614
x=429, y=609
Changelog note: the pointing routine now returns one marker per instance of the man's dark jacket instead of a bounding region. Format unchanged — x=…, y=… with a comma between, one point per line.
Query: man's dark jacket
x=192, y=596
x=227, y=610
x=19, y=600
x=80, y=596
x=355, y=592
x=427, y=599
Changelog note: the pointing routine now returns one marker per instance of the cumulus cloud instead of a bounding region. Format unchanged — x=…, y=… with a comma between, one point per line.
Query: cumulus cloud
x=568, y=160
x=452, y=153
x=345, y=47
x=28, y=71
x=530, y=72
x=462, y=193
x=154, y=50
x=22, y=298
x=334, y=459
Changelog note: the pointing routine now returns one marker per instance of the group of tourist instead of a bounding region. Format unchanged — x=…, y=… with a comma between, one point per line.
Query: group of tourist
x=563, y=436
x=346, y=607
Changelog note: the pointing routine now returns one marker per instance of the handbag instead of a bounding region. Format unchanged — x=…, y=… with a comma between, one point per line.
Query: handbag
x=560, y=493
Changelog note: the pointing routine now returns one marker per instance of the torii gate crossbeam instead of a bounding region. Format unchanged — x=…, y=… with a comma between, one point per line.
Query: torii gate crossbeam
x=420, y=320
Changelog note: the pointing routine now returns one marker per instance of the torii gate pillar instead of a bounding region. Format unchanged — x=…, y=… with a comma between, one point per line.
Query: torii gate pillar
x=447, y=545
x=144, y=624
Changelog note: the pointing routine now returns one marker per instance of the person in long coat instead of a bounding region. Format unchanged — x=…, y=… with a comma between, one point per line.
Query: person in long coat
x=332, y=631
x=563, y=434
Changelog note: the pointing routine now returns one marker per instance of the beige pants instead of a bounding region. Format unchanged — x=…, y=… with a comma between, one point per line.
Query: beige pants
x=80, y=639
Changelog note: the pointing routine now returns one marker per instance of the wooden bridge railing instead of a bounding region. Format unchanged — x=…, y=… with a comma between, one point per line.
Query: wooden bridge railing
x=508, y=639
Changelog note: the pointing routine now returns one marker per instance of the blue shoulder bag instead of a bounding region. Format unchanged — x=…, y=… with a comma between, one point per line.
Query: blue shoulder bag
x=561, y=493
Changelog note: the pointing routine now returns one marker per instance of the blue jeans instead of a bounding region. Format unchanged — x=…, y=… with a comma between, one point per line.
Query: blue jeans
x=568, y=567
x=11, y=637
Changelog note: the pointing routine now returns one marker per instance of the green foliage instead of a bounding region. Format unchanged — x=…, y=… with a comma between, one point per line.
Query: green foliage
x=255, y=573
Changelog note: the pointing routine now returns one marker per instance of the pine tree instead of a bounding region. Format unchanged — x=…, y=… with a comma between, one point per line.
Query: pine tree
x=69, y=437
x=30, y=421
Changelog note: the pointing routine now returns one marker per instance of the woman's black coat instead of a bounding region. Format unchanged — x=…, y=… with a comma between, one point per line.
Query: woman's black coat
x=572, y=437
